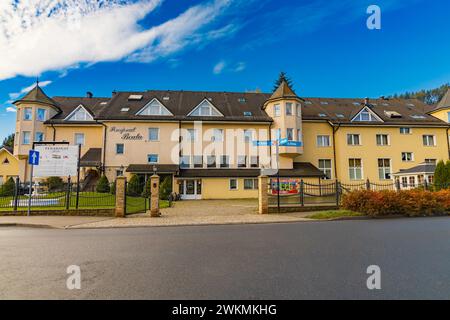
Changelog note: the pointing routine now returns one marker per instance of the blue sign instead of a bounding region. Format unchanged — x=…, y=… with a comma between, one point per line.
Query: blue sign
x=262, y=143
x=286, y=143
x=33, y=157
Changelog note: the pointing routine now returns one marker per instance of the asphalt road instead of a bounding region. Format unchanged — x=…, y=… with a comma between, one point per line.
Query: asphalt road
x=326, y=260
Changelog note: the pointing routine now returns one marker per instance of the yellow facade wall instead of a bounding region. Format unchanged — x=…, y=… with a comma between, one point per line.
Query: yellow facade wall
x=10, y=169
x=218, y=188
x=442, y=114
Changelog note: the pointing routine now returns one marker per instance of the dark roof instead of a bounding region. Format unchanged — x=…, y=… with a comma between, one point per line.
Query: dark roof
x=92, y=158
x=69, y=104
x=36, y=95
x=444, y=103
x=421, y=168
x=9, y=149
x=148, y=168
x=283, y=92
x=301, y=169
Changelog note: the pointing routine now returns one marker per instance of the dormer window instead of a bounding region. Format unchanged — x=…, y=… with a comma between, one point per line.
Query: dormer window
x=205, y=109
x=135, y=97
x=366, y=115
x=247, y=114
x=79, y=114
x=154, y=108
x=418, y=116
x=322, y=115
x=125, y=109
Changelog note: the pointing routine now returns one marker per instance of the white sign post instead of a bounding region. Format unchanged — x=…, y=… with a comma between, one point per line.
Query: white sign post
x=57, y=161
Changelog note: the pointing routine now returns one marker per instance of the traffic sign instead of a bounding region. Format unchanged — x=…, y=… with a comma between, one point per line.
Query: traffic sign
x=262, y=143
x=33, y=157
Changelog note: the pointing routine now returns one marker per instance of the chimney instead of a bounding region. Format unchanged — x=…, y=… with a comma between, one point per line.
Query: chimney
x=366, y=101
x=114, y=92
x=89, y=94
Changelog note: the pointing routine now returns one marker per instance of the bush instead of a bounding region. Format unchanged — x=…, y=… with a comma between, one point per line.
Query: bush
x=147, y=190
x=405, y=202
x=7, y=189
x=112, y=188
x=103, y=185
x=134, y=187
x=165, y=188
x=55, y=184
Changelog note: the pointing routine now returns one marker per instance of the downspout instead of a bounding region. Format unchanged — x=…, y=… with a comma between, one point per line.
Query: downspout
x=102, y=169
x=335, y=129
x=448, y=143
x=54, y=132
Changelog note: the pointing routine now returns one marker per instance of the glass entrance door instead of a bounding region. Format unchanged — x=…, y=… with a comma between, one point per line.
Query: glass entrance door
x=191, y=189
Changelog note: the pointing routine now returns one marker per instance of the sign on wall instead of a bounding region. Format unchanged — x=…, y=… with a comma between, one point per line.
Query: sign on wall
x=56, y=161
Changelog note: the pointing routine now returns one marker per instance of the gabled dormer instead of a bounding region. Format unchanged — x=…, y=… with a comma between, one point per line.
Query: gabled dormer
x=154, y=108
x=80, y=113
x=205, y=109
x=366, y=115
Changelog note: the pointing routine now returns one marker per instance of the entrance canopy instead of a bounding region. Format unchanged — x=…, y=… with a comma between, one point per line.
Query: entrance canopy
x=150, y=168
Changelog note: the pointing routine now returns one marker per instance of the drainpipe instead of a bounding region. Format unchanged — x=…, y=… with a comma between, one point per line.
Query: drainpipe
x=54, y=131
x=335, y=129
x=102, y=169
x=448, y=142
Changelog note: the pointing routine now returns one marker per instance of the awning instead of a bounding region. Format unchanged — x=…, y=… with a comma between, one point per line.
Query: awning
x=149, y=168
x=423, y=168
x=92, y=158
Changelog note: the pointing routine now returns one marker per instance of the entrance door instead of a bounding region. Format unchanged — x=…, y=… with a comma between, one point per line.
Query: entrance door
x=191, y=189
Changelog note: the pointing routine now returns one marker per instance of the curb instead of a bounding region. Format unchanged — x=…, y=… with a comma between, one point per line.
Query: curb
x=25, y=225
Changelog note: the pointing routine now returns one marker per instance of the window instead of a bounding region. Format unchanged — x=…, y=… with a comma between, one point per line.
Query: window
x=325, y=167
x=185, y=162
x=192, y=135
x=119, y=173
x=152, y=158
x=353, y=140
x=290, y=134
x=405, y=182
x=412, y=181
x=428, y=140
x=79, y=114
x=233, y=184
x=153, y=134
x=299, y=110
x=41, y=114
x=248, y=113
x=6, y=161
x=431, y=179
x=198, y=161
x=288, y=109
x=254, y=161
x=242, y=161
x=431, y=161
x=299, y=135
x=323, y=141
x=418, y=116
x=28, y=114
x=250, y=184
x=79, y=138
x=355, y=169
x=448, y=116
x=384, y=169
x=224, y=161
x=211, y=162
x=119, y=148
x=382, y=140
x=407, y=156
x=276, y=110
x=248, y=135
x=366, y=115
x=39, y=136
x=205, y=109
x=154, y=108
x=217, y=136
x=26, y=137
x=405, y=130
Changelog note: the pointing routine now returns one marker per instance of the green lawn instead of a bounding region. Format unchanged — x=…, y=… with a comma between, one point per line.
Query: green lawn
x=333, y=214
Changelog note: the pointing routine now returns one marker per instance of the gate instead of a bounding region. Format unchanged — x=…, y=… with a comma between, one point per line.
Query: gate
x=137, y=196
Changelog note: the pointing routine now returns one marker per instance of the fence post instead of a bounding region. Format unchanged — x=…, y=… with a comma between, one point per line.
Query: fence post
x=425, y=184
x=368, y=184
x=397, y=184
x=16, y=193
x=302, y=193
x=338, y=191
x=68, y=193
x=121, y=183
x=263, y=198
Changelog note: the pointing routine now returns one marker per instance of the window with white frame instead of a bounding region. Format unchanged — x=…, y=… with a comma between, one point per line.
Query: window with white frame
x=290, y=134
x=242, y=162
x=384, y=169
x=405, y=182
x=27, y=114
x=233, y=184
x=198, y=161
x=355, y=169
x=79, y=138
x=412, y=181
x=153, y=134
x=211, y=162
x=217, y=135
x=26, y=136
x=41, y=114
x=276, y=110
x=325, y=167
x=405, y=130
x=407, y=156
x=39, y=136
x=254, y=161
x=80, y=114
x=250, y=184
x=382, y=140
x=154, y=108
x=323, y=141
x=152, y=158
x=366, y=115
x=205, y=109
x=288, y=109
x=185, y=162
x=429, y=140
x=353, y=139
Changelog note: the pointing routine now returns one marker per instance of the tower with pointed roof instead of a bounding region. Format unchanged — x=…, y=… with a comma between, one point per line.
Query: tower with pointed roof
x=285, y=108
x=33, y=109
x=442, y=109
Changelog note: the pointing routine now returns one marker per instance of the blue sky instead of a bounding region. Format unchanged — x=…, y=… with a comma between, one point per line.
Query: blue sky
x=222, y=45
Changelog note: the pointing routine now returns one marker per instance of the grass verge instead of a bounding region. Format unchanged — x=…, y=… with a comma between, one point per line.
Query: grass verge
x=333, y=214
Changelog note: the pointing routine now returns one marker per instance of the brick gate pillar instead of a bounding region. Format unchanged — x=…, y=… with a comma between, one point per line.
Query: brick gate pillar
x=121, y=183
x=263, y=198
x=154, y=199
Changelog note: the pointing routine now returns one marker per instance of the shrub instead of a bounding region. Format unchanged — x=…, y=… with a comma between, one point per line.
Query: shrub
x=7, y=189
x=134, y=187
x=147, y=189
x=165, y=188
x=55, y=184
x=406, y=202
x=103, y=185
x=112, y=188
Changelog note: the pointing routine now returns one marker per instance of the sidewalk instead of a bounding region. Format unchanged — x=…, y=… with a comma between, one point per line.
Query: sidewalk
x=59, y=222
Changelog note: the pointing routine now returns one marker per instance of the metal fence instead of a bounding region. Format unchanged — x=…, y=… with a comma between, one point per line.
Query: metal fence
x=137, y=197
x=53, y=196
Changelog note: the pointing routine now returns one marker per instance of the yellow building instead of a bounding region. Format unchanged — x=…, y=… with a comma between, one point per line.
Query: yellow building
x=9, y=165
x=215, y=144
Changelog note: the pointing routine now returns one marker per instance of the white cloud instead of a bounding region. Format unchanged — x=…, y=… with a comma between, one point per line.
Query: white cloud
x=219, y=67
x=240, y=67
x=24, y=90
x=11, y=109
x=44, y=35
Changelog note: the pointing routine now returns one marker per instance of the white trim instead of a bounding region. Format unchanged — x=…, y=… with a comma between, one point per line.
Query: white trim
x=370, y=111
x=147, y=105
x=75, y=111
x=237, y=184
x=210, y=104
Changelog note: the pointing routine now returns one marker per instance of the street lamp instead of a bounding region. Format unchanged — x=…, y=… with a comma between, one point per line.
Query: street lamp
x=154, y=170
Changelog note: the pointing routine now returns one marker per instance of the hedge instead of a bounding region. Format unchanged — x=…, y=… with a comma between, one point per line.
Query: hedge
x=406, y=202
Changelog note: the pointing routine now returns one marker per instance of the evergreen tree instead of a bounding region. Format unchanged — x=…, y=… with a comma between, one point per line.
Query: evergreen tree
x=282, y=76
x=447, y=174
x=134, y=187
x=7, y=189
x=165, y=188
x=112, y=188
x=9, y=141
x=431, y=96
x=103, y=185
x=440, y=175
x=147, y=190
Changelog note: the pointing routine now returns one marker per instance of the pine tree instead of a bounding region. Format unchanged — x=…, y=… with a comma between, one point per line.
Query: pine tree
x=103, y=185
x=134, y=187
x=440, y=175
x=282, y=77
x=7, y=189
x=165, y=188
x=447, y=175
x=9, y=141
